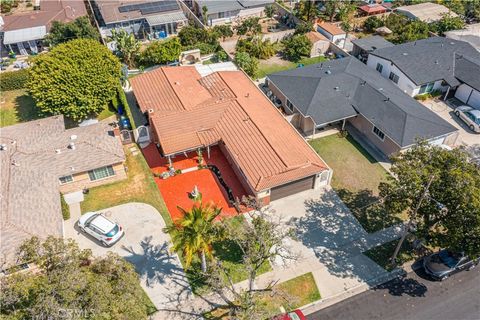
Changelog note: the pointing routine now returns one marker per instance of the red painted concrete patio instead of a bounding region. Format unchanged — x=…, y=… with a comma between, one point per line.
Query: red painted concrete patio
x=175, y=189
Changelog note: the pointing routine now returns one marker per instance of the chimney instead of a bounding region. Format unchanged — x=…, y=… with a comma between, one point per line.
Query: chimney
x=36, y=5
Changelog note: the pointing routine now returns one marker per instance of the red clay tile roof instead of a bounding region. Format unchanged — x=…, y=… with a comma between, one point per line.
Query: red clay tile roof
x=50, y=10
x=315, y=36
x=191, y=112
x=373, y=8
x=330, y=28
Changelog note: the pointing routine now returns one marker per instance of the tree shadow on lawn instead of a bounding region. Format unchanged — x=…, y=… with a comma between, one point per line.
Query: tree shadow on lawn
x=368, y=209
x=25, y=108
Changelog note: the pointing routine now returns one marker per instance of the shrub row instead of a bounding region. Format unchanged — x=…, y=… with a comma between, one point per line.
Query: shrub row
x=13, y=80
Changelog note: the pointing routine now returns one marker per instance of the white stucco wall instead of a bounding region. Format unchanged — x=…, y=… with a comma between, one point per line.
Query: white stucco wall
x=404, y=83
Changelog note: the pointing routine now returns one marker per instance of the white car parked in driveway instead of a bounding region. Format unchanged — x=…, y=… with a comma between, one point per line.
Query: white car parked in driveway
x=470, y=116
x=99, y=227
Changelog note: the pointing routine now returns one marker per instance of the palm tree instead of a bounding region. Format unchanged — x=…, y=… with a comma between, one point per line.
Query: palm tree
x=195, y=232
x=126, y=44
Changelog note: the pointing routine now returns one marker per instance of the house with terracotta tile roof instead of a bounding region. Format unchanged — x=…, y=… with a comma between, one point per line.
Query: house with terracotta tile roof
x=23, y=31
x=331, y=31
x=188, y=112
x=35, y=171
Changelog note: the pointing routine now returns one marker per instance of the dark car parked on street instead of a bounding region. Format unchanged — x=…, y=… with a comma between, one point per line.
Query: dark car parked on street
x=445, y=263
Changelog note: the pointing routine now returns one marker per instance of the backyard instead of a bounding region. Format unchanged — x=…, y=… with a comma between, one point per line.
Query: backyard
x=17, y=106
x=356, y=177
x=277, y=64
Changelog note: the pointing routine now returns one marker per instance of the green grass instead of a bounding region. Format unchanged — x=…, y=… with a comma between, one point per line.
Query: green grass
x=265, y=68
x=382, y=254
x=356, y=177
x=138, y=187
x=106, y=113
x=230, y=254
x=290, y=295
x=17, y=106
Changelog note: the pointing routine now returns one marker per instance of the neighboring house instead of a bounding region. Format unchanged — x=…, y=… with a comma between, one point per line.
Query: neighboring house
x=371, y=9
x=320, y=43
x=362, y=47
x=470, y=34
x=219, y=12
x=40, y=159
x=423, y=66
x=188, y=112
x=347, y=92
x=23, y=31
x=331, y=32
x=146, y=19
x=427, y=12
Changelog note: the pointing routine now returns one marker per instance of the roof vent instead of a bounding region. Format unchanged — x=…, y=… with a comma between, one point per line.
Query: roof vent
x=3, y=147
x=71, y=146
x=436, y=61
x=73, y=137
x=363, y=83
x=72, y=168
x=452, y=43
x=177, y=83
x=150, y=111
x=320, y=66
x=405, y=54
x=328, y=72
x=58, y=151
x=380, y=89
x=15, y=163
x=336, y=88
x=386, y=100
x=247, y=95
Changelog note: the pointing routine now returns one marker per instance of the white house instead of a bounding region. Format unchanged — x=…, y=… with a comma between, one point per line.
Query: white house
x=427, y=65
x=467, y=70
x=331, y=32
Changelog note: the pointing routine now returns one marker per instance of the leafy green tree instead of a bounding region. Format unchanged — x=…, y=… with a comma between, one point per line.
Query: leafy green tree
x=449, y=215
x=80, y=28
x=161, y=52
x=220, y=56
x=127, y=47
x=372, y=23
x=205, y=15
x=269, y=11
x=303, y=28
x=77, y=79
x=296, y=47
x=195, y=232
x=307, y=10
x=249, y=26
x=331, y=8
x=224, y=31
x=71, y=279
x=256, y=47
x=447, y=23
x=247, y=63
x=192, y=37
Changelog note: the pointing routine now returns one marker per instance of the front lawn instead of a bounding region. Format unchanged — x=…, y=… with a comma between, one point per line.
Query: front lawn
x=356, y=176
x=267, y=67
x=138, y=187
x=290, y=295
x=17, y=106
x=231, y=256
x=382, y=254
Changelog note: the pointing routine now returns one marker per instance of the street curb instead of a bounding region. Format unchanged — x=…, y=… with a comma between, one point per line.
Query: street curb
x=329, y=301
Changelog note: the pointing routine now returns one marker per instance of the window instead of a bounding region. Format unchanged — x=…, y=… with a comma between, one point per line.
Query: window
x=379, y=133
x=426, y=88
x=101, y=173
x=289, y=105
x=66, y=179
x=393, y=77
x=379, y=67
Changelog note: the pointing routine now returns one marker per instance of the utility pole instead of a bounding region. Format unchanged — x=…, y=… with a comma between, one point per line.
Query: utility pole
x=410, y=224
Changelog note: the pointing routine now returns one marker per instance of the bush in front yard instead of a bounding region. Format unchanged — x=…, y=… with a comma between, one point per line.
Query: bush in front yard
x=65, y=208
x=13, y=80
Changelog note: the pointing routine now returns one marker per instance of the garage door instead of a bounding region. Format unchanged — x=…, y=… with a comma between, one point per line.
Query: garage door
x=291, y=188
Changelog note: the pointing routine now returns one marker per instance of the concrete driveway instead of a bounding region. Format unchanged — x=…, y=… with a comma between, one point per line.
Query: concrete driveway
x=445, y=110
x=330, y=241
x=146, y=246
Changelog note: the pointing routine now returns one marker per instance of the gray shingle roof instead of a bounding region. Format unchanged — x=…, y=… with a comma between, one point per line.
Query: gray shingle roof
x=429, y=59
x=467, y=70
x=372, y=43
x=30, y=168
x=347, y=87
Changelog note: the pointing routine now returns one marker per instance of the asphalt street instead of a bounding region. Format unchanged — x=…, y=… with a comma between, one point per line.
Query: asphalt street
x=413, y=297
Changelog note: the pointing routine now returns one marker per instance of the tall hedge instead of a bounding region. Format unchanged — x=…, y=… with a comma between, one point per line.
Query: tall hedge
x=13, y=80
x=77, y=79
